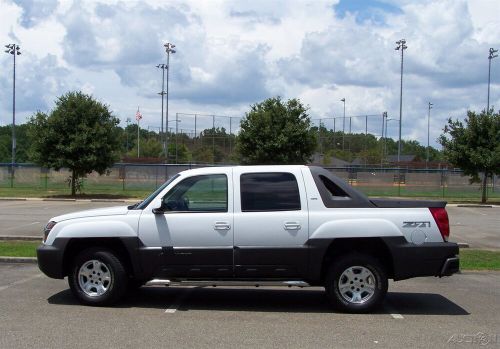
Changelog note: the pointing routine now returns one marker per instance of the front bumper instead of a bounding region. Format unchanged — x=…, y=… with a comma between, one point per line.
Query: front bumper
x=429, y=259
x=50, y=259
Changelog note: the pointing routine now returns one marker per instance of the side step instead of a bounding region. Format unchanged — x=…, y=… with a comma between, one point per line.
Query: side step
x=214, y=283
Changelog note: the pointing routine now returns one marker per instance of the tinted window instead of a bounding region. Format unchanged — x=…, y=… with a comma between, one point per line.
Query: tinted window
x=269, y=192
x=336, y=193
x=198, y=194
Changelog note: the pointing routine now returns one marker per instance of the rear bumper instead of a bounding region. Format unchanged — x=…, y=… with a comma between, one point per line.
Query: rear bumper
x=50, y=259
x=428, y=259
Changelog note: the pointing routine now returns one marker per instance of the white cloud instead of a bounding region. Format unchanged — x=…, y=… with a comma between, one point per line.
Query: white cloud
x=234, y=53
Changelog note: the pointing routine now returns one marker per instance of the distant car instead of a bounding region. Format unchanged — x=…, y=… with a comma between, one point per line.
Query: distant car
x=251, y=225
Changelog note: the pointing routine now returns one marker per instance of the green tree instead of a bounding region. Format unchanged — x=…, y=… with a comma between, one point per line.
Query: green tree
x=80, y=134
x=475, y=146
x=276, y=132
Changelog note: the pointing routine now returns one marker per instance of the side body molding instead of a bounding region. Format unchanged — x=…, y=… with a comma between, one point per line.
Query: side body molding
x=353, y=228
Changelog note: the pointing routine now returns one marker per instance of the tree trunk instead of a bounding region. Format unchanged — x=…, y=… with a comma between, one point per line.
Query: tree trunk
x=485, y=181
x=73, y=183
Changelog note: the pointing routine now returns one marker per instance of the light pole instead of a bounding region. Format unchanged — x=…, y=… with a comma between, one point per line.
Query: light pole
x=162, y=66
x=14, y=50
x=343, y=126
x=126, y=131
x=428, y=133
x=384, y=116
x=169, y=49
x=490, y=57
x=401, y=46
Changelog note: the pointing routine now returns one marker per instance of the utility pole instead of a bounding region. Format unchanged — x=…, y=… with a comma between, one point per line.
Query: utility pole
x=401, y=46
x=126, y=131
x=138, y=117
x=14, y=50
x=428, y=133
x=169, y=49
x=343, y=126
x=490, y=57
x=162, y=93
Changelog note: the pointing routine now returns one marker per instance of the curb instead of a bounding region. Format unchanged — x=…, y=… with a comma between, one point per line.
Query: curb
x=20, y=238
x=69, y=200
x=474, y=205
x=26, y=260
x=463, y=245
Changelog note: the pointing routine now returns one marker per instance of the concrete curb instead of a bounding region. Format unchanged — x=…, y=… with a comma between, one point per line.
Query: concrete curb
x=463, y=245
x=20, y=238
x=26, y=260
x=474, y=205
x=69, y=200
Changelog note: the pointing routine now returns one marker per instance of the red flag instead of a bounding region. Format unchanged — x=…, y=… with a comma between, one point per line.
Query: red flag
x=138, y=115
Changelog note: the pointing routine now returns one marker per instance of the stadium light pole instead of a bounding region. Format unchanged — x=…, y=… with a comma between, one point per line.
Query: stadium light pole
x=401, y=45
x=169, y=49
x=490, y=57
x=428, y=133
x=343, y=126
x=162, y=66
x=13, y=50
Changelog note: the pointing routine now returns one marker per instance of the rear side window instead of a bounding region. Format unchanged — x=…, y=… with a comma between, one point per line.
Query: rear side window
x=269, y=192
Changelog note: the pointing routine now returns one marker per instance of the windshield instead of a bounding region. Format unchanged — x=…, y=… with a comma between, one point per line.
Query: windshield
x=150, y=198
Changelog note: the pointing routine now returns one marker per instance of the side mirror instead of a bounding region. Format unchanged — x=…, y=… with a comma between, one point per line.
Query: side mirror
x=158, y=210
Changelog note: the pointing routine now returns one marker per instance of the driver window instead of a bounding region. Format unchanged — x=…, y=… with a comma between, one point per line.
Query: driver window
x=206, y=193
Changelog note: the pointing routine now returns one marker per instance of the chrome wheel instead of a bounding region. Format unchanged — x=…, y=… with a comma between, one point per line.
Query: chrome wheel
x=357, y=284
x=94, y=278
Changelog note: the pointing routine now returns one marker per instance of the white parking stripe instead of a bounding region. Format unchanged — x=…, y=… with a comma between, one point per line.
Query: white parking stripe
x=22, y=225
x=397, y=316
x=178, y=301
x=18, y=282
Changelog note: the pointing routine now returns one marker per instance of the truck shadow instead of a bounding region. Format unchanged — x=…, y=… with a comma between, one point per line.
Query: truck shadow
x=268, y=300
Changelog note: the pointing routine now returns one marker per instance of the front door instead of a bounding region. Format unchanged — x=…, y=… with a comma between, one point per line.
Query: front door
x=195, y=229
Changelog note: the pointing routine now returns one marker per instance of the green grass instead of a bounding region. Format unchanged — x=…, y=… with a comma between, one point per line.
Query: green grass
x=470, y=259
x=479, y=260
x=18, y=248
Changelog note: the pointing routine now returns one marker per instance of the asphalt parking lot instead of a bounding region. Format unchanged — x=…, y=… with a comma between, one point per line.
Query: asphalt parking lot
x=462, y=310
x=477, y=226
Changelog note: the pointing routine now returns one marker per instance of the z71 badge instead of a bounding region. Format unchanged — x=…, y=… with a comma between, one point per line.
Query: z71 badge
x=416, y=224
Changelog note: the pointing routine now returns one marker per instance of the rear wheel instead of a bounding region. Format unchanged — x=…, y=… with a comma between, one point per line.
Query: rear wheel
x=98, y=277
x=356, y=283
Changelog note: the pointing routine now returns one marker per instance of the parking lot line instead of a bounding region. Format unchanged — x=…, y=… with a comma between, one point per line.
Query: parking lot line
x=178, y=301
x=18, y=282
x=20, y=226
x=393, y=312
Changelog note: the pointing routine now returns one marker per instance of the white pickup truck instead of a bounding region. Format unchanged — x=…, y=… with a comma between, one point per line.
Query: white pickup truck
x=251, y=225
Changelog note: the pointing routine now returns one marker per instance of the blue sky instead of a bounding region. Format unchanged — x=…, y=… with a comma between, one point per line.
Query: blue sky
x=231, y=54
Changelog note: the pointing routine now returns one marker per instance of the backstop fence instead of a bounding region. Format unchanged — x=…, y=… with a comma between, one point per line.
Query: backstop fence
x=374, y=181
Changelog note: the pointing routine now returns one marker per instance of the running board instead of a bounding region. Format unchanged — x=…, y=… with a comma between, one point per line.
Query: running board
x=214, y=283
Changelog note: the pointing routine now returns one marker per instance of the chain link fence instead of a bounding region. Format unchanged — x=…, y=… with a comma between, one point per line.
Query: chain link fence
x=122, y=178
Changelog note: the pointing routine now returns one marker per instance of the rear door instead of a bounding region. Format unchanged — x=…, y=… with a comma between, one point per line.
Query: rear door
x=270, y=223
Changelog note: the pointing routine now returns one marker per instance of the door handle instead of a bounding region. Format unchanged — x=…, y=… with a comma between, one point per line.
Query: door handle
x=292, y=226
x=222, y=226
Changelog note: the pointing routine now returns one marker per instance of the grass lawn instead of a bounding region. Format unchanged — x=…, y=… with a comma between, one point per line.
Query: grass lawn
x=479, y=260
x=470, y=259
x=18, y=248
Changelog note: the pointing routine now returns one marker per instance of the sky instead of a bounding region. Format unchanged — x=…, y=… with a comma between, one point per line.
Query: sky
x=232, y=54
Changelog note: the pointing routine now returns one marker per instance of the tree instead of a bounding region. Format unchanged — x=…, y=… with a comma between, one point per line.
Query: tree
x=80, y=134
x=276, y=132
x=475, y=147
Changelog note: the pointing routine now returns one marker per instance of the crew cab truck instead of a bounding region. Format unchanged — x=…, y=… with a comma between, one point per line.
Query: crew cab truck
x=251, y=225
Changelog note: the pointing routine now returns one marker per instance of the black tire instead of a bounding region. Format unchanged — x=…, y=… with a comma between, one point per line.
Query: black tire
x=371, y=295
x=110, y=265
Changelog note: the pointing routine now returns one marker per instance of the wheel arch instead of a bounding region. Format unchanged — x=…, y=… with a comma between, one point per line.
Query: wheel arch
x=372, y=246
x=124, y=248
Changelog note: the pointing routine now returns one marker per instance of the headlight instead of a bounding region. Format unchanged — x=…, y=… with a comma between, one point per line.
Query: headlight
x=47, y=229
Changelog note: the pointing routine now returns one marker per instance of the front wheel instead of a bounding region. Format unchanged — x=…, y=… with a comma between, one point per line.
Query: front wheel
x=356, y=283
x=98, y=277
